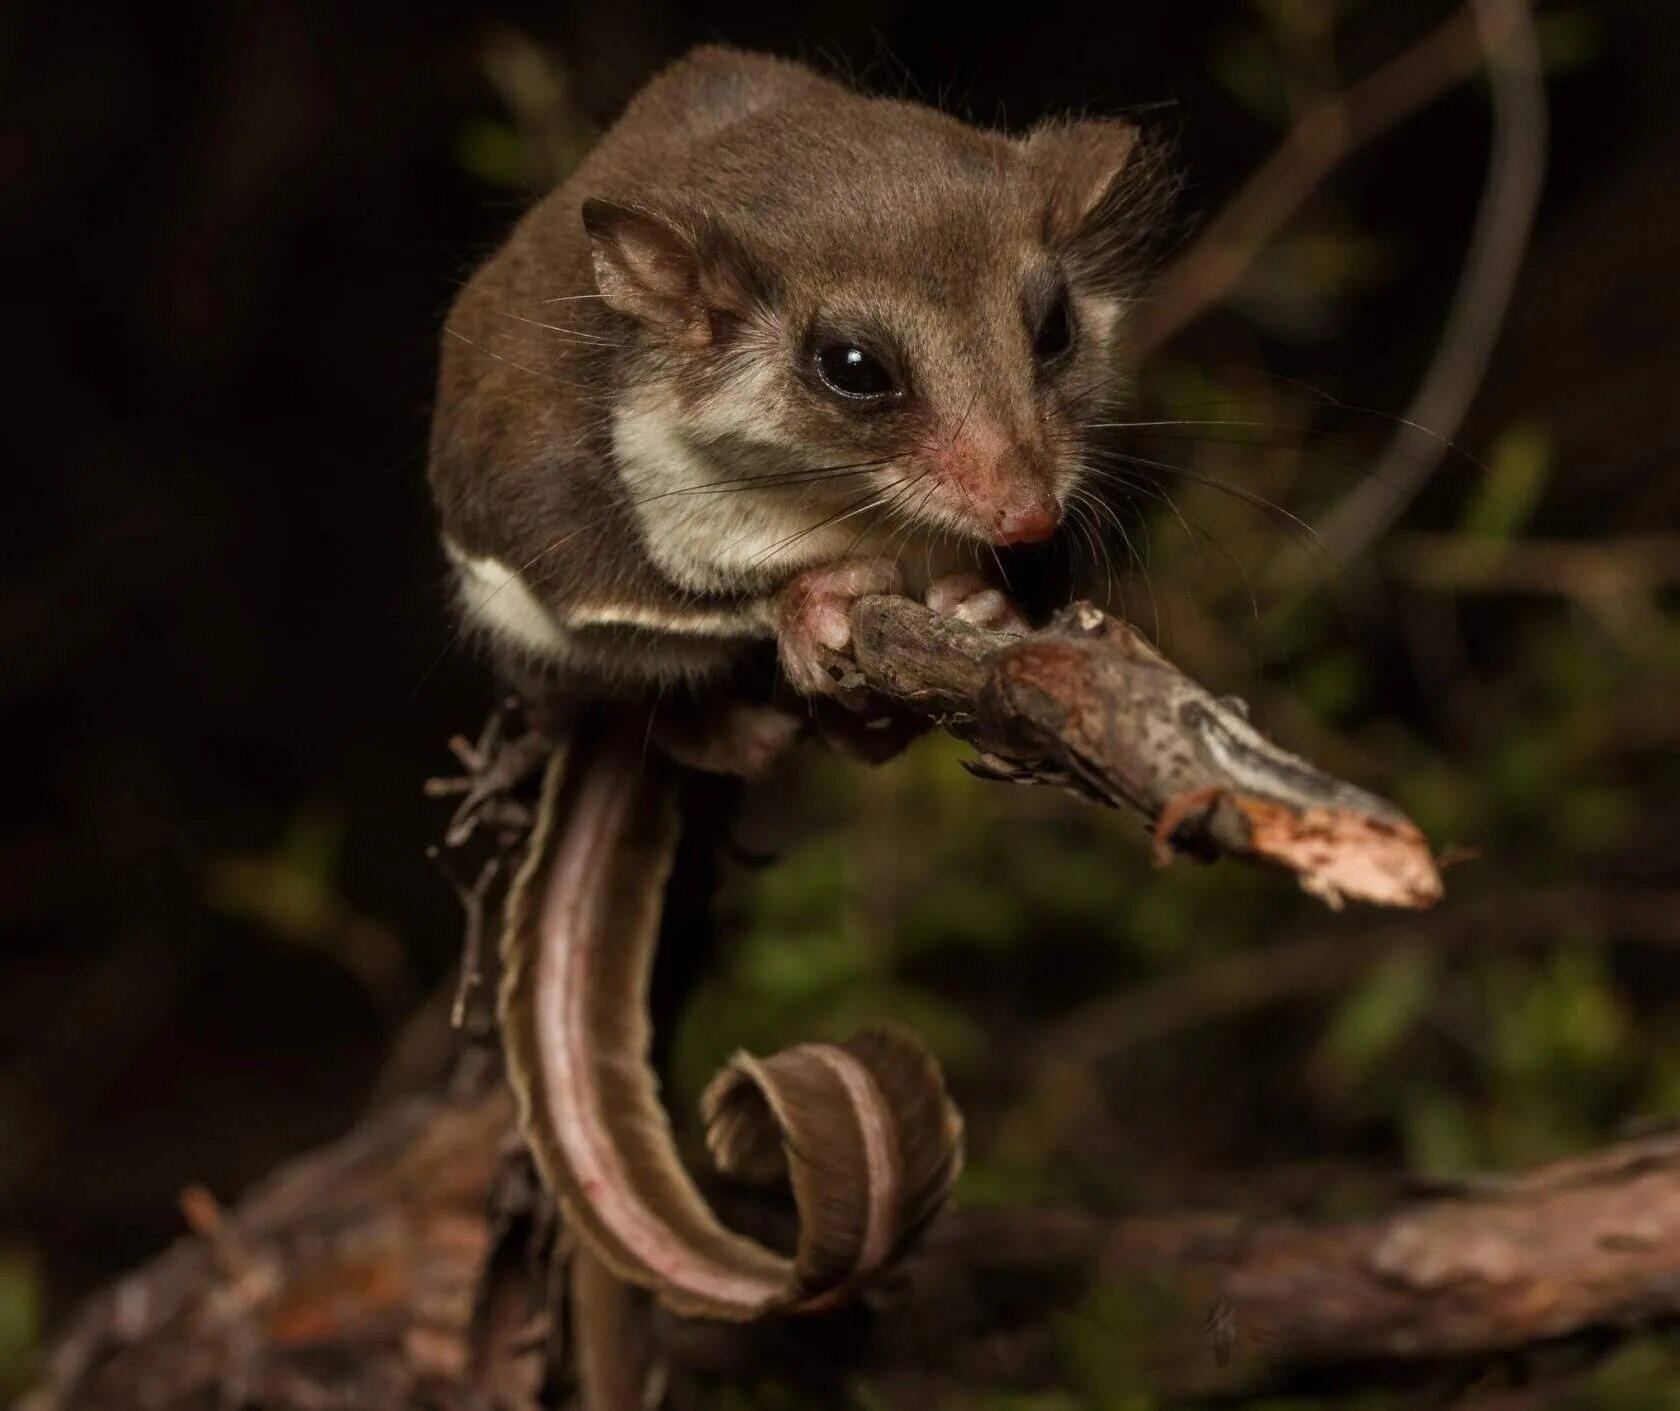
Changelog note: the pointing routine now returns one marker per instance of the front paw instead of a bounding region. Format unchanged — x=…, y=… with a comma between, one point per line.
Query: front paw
x=969, y=598
x=814, y=620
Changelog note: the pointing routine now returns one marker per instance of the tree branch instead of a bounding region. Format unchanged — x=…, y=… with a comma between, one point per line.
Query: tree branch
x=1089, y=705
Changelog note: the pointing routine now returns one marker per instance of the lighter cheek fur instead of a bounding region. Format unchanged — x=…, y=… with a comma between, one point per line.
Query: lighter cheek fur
x=705, y=537
x=710, y=535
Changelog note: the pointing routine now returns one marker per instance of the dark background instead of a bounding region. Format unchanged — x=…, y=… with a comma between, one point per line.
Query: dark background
x=229, y=234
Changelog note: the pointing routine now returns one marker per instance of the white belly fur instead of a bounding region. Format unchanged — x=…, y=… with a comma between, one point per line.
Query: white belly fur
x=497, y=600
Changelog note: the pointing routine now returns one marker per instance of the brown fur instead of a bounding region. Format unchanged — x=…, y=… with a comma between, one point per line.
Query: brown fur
x=741, y=212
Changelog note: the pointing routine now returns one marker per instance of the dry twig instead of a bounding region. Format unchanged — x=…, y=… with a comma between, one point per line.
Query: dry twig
x=1089, y=705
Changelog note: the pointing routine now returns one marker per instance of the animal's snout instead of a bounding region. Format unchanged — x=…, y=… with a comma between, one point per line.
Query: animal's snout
x=1027, y=524
x=1027, y=508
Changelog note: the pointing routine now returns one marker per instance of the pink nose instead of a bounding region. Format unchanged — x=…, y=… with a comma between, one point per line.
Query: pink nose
x=1031, y=525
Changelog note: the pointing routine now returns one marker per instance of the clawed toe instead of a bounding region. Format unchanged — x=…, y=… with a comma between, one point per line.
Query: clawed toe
x=967, y=597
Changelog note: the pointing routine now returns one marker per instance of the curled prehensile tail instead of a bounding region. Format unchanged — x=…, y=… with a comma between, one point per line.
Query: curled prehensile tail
x=863, y=1130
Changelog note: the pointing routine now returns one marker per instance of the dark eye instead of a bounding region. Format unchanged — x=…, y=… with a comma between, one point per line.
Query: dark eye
x=1055, y=333
x=850, y=371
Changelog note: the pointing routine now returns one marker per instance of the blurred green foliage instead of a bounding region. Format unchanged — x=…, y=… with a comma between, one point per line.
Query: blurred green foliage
x=1531, y=723
x=1642, y=1376
x=1505, y=500
x=20, y=1318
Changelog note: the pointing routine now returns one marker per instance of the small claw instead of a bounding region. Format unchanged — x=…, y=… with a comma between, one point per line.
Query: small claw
x=967, y=597
x=830, y=623
x=984, y=609
x=945, y=595
x=807, y=672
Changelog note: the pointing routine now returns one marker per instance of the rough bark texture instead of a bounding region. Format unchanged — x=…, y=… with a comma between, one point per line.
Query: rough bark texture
x=1088, y=704
x=415, y=1262
x=367, y=1274
x=349, y=1277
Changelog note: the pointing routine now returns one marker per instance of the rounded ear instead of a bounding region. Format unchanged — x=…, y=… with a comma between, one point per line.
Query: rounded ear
x=654, y=269
x=1081, y=163
x=645, y=265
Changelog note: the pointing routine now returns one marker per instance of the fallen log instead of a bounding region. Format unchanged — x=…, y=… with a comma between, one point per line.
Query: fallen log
x=373, y=1273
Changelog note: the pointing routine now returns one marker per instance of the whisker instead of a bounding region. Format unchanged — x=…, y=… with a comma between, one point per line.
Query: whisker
x=835, y=519
x=576, y=335
x=544, y=376
x=1101, y=506
x=1329, y=399
x=967, y=411
x=1081, y=522
x=1003, y=573
x=867, y=503
x=777, y=480
x=1291, y=523
x=1108, y=379
x=909, y=519
x=1196, y=534
x=1448, y=445
x=1307, y=444
x=837, y=472
x=894, y=508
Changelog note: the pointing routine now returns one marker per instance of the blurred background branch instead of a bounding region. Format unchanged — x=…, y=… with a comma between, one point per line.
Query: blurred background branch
x=1330, y=130
x=1499, y=241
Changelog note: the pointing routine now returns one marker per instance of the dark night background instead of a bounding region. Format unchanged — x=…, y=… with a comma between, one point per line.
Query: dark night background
x=230, y=232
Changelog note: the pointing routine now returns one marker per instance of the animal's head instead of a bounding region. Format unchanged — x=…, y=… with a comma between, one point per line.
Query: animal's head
x=895, y=311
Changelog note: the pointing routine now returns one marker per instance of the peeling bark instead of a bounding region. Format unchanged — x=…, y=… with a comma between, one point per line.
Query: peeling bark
x=1089, y=705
